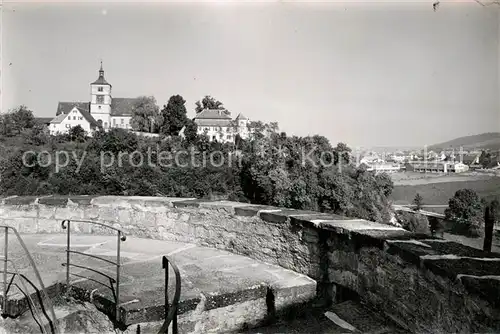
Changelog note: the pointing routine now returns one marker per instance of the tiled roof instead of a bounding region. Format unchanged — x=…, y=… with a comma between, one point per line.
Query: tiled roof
x=122, y=106
x=43, y=120
x=212, y=114
x=241, y=117
x=58, y=119
x=100, y=81
x=66, y=107
x=88, y=117
x=213, y=122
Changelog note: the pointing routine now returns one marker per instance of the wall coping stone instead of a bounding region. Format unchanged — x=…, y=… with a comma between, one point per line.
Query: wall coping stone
x=251, y=210
x=24, y=200
x=195, y=203
x=54, y=200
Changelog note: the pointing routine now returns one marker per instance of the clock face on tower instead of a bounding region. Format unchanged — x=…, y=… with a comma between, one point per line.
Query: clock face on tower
x=100, y=99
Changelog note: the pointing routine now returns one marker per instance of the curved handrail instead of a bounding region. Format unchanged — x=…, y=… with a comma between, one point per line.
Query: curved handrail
x=94, y=257
x=123, y=236
x=172, y=314
x=37, y=274
x=65, y=224
x=25, y=292
x=112, y=280
x=32, y=310
x=37, y=291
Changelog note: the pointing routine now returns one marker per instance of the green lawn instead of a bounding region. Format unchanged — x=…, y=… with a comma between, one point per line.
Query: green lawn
x=440, y=193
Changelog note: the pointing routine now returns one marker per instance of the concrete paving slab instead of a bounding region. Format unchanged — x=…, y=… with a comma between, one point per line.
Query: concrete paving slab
x=218, y=277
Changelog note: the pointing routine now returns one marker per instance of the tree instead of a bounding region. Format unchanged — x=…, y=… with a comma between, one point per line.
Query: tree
x=38, y=136
x=115, y=140
x=23, y=118
x=191, y=131
x=146, y=115
x=6, y=124
x=465, y=208
x=78, y=134
x=16, y=120
x=174, y=116
x=491, y=215
x=208, y=102
x=418, y=202
x=414, y=222
x=485, y=159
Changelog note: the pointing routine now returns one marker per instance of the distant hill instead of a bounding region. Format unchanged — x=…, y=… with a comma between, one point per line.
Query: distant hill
x=490, y=140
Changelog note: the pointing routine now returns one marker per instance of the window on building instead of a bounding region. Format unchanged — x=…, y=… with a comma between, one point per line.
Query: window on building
x=123, y=120
x=228, y=136
x=214, y=138
x=100, y=99
x=99, y=89
x=114, y=121
x=105, y=125
x=99, y=107
x=80, y=118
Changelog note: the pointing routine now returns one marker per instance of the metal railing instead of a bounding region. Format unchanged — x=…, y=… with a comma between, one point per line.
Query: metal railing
x=120, y=237
x=31, y=304
x=171, y=310
x=6, y=287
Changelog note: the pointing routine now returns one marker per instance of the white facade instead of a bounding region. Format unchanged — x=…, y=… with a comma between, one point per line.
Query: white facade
x=64, y=122
x=122, y=122
x=384, y=168
x=439, y=167
x=217, y=125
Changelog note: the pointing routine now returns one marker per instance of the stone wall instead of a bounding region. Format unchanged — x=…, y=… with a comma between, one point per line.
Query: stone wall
x=424, y=284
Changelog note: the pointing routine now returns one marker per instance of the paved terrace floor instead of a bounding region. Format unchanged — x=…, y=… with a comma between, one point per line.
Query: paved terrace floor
x=219, y=276
x=203, y=270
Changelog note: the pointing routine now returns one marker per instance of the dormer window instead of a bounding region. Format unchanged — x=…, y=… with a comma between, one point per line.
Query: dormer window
x=99, y=89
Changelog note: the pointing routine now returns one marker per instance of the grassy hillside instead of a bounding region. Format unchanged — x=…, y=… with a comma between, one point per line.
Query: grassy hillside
x=490, y=140
x=440, y=193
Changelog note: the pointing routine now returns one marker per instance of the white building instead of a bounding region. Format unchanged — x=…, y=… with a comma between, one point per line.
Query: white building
x=218, y=125
x=384, y=168
x=371, y=159
x=439, y=167
x=102, y=110
x=76, y=116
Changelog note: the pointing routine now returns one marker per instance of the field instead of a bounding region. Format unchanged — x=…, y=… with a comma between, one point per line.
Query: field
x=439, y=189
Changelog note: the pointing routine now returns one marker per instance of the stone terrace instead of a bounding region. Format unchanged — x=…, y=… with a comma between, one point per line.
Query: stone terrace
x=216, y=285
x=422, y=283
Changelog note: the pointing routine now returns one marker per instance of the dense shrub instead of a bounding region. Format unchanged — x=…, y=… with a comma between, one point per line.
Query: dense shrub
x=270, y=170
x=414, y=222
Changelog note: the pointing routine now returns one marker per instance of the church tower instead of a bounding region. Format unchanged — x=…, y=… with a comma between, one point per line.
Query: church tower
x=100, y=102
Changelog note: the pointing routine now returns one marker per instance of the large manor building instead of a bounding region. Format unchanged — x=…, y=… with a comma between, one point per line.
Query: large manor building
x=102, y=110
x=219, y=126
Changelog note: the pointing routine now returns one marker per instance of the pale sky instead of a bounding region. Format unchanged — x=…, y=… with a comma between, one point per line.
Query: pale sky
x=367, y=74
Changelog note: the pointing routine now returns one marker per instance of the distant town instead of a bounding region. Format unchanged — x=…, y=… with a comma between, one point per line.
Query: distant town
x=431, y=161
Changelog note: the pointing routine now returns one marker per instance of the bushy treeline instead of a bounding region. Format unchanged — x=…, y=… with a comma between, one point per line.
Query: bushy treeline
x=272, y=169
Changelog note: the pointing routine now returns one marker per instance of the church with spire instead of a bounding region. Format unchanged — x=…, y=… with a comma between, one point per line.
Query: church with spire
x=102, y=110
